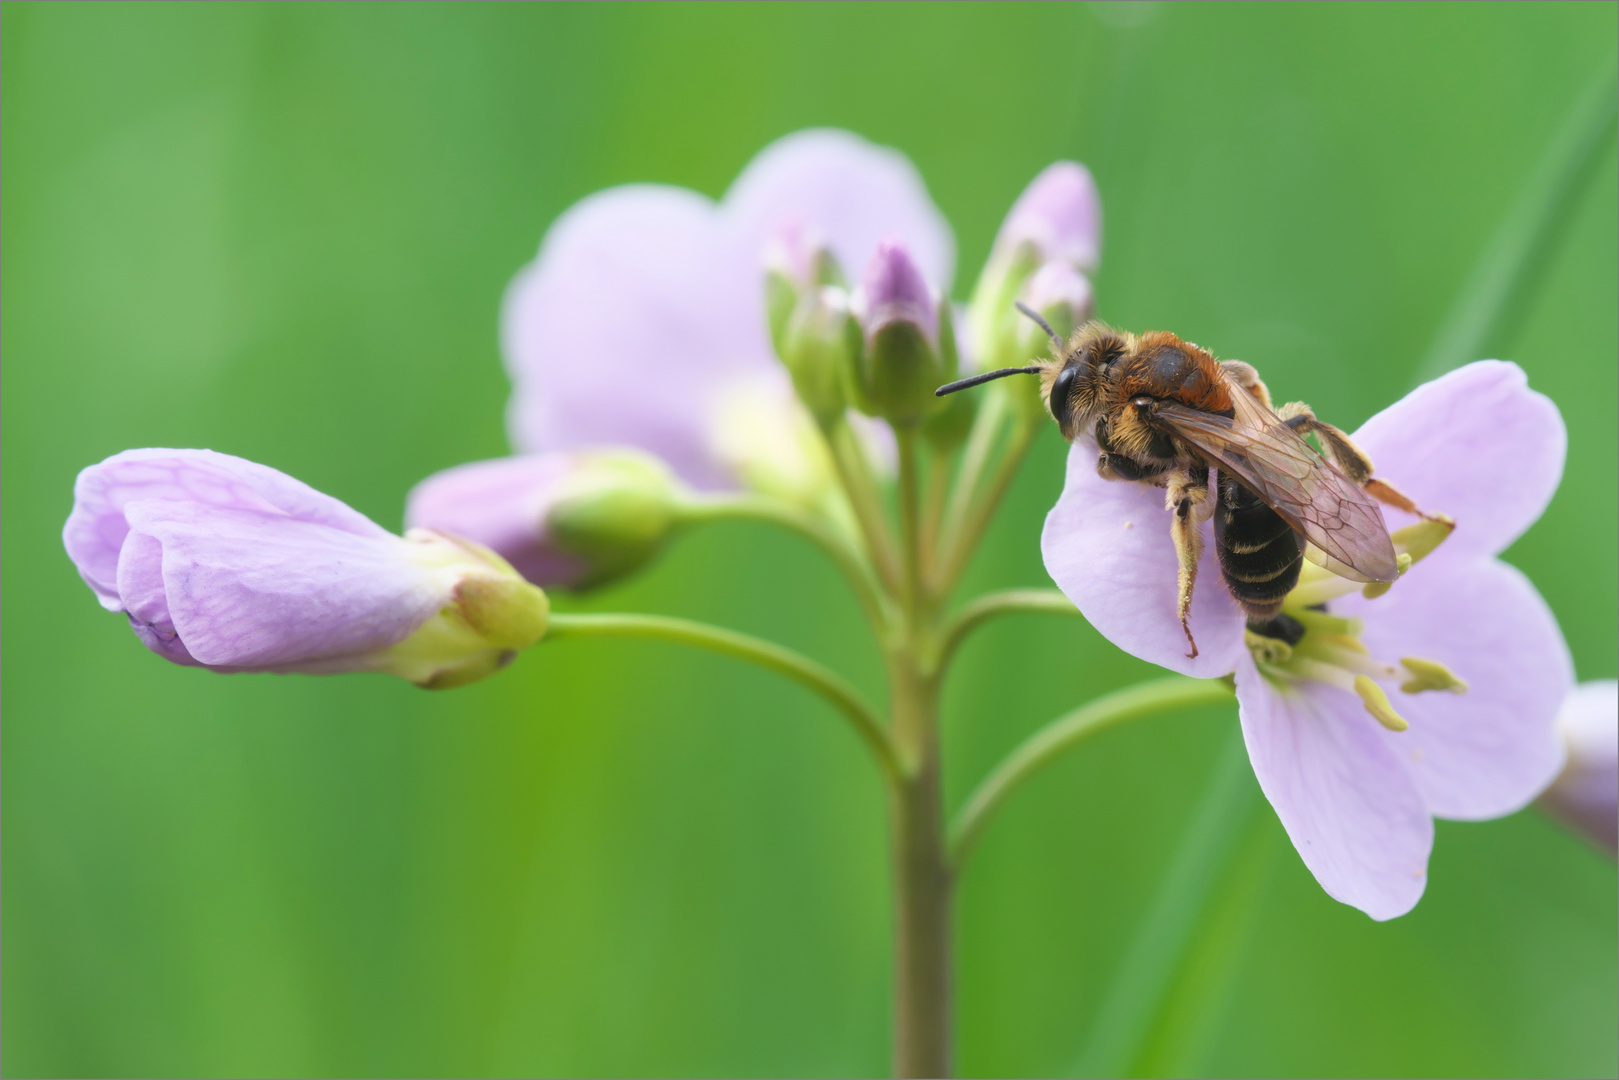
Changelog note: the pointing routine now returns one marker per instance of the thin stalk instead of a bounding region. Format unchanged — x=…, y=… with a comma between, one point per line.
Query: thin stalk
x=868, y=591
x=766, y=654
x=992, y=605
x=854, y=472
x=910, y=524
x=964, y=537
x=1066, y=732
x=981, y=442
x=933, y=508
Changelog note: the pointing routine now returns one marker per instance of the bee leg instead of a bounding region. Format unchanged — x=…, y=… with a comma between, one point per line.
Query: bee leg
x=1349, y=458
x=1245, y=376
x=1111, y=465
x=1187, y=497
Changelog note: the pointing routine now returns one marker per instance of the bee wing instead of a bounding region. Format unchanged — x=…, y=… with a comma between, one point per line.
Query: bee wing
x=1340, y=520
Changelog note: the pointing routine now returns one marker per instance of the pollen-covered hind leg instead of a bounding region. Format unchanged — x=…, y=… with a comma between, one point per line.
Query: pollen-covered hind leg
x=1351, y=459
x=1187, y=497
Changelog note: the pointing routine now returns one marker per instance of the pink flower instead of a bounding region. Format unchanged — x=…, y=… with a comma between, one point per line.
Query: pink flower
x=1357, y=798
x=223, y=563
x=1060, y=214
x=566, y=520
x=642, y=322
x=1586, y=795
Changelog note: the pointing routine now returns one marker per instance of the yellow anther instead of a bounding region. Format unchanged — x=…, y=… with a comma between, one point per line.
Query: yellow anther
x=1402, y=563
x=1420, y=539
x=1429, y=675
x=1377, y=703
x=1319, y=622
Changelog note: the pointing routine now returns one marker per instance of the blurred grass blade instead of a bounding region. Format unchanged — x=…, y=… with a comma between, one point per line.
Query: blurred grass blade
x=1155, y=952
x=1493, y=303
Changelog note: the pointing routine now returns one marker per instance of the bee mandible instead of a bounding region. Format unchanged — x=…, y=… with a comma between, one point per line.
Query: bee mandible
x=1165, y=412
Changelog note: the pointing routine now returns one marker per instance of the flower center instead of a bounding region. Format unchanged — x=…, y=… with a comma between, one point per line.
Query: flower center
x=1326, y=648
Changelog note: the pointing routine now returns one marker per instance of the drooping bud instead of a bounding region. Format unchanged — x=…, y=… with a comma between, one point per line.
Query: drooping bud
x=902, y=361
x=492, y=614
x=230, y=565
x=1057, y=219
x=569, y=520
x=1585, y=796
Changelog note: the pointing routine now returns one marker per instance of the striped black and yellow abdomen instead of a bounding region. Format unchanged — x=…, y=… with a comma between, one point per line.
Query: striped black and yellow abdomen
x=1260, y=554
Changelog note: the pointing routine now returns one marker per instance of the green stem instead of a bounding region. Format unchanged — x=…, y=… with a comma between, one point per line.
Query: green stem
x=964, y=538
x=1045, y=745
x=991, y=605
x=868, y=591
x=854, y=472
x=910, y=522
x=765, y=654
x=981, y=442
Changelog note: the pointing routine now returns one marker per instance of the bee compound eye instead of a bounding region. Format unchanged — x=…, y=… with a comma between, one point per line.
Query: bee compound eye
x=1060, y=392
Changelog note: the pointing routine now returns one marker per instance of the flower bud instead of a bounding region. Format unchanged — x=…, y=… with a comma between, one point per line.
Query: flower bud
x=1585, y=797
x=1063, y=296
x=226, y=564
x=1060, y=215
x=1057, y=219
x=908, y=352
x=569, y=520
x=814, y=334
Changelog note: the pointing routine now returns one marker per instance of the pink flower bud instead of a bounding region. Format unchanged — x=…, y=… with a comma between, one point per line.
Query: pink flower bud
x=1060, y=214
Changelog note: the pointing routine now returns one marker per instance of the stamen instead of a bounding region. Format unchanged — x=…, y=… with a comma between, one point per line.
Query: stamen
x=1402, y=563
x=1420, y=539
x=1322, y=623
x=1377, y=703
x=1429, y=675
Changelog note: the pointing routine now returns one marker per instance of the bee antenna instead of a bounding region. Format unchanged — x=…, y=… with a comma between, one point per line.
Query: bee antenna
x=1041, y=322
x=962, y=384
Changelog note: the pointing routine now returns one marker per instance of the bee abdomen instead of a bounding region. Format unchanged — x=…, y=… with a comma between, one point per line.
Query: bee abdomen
x=1260, y=554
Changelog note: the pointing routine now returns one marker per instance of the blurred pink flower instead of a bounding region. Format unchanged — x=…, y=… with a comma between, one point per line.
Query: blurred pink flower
x=1060, y=214
x=642, y=321
x=1358, y=799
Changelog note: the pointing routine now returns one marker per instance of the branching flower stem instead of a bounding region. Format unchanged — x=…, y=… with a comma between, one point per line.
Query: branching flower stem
x=1045, y=745
x=991, y=605
x=766, y=654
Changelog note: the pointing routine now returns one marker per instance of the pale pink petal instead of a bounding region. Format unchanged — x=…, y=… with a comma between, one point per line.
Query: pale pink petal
x=1107, y=546
x=1586, y=795
x=1476, y=444
x=249, y=588
x=95, y=530
x=851, y=192
x=1060, y=213
x=1490, y=751
x=1351, y=811
x=629, y=326
x=893, y=290
x=502, y=505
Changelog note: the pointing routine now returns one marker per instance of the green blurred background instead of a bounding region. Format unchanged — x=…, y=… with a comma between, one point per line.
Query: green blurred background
x=283, y=232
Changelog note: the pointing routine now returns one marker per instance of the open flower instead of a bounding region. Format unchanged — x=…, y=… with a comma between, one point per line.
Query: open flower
x=1585, y=796
x=1437, y=699
x=222, y=563
x=643, y=320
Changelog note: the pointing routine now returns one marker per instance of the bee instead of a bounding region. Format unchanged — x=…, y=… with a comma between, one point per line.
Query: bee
x=1164, y=411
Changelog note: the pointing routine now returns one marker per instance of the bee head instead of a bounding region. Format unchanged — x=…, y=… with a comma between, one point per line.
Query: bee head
x=1075, y=388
